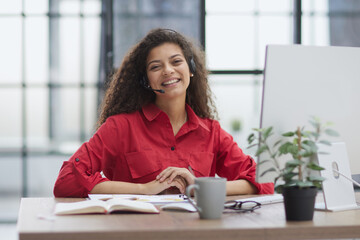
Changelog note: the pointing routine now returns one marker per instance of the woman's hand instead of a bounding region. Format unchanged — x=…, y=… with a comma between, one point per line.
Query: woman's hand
x=156, y=187
x=171, y=173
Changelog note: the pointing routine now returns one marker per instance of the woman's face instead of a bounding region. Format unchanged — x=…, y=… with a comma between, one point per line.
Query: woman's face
x=167, y=69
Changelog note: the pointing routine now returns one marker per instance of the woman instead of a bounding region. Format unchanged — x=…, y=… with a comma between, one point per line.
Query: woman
x=156, y=131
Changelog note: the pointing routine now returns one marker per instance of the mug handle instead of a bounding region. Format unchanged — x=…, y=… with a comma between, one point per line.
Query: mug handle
x=188, y=190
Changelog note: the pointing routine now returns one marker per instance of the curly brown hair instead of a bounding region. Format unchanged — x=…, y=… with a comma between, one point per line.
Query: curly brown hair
x=125, y=94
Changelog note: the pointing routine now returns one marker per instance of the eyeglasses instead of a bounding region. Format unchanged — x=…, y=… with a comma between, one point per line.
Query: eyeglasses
x=242, y=206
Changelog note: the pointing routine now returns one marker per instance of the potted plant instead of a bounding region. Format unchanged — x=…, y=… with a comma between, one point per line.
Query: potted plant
x=292, y=158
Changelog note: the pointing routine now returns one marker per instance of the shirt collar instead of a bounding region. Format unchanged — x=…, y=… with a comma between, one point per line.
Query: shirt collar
x=193, y=120
x=151, y=111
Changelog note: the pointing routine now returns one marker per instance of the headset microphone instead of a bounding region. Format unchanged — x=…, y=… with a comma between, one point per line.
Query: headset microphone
x=143, y=82
x=155, y=90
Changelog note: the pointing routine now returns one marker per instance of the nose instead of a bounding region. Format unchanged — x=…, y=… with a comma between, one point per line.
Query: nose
x=168, y=70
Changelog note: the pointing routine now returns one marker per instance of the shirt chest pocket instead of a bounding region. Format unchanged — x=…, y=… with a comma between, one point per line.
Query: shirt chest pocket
x=142, y=163
x=201, y=163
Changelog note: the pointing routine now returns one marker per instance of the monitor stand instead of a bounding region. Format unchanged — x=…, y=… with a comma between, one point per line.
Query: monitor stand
x=338, y=189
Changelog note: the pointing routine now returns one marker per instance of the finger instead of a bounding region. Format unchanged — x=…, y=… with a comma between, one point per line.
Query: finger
x=167, y=174
x=164, y=174
x=190, y=179
x=182, y=180
x=185, y=174
x=160, y=174
x=173, y=175
x=179, y=185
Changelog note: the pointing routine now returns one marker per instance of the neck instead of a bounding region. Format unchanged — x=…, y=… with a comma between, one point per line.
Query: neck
x=175, y=109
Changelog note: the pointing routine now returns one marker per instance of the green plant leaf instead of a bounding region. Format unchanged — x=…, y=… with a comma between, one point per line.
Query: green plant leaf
x=288, y=134
x=317, y=184
x=252, y=145
x=279, y=188
x=304, y=184
x=306, y=147
x=306, y=154
x=325, y=142
x=293, y=163
x=315, y=123
x=267, y=171
x=267, y=132
x=261, y=149
x=306, y=134
x=291, y=183
x=316, y=135
x=251, y=138
x=288, y=176
x=311, y=144
x=287, y=170
x=277, y=143
x=331, y=132
x=277, y=178
x=288, y=147
x=264, y=161
x=316, y=178
x=314, y=166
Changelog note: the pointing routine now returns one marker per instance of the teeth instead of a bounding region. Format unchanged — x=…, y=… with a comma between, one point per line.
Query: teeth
x=171, y=82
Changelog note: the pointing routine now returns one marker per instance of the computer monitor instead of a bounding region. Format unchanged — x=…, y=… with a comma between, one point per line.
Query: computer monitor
x=303, y=81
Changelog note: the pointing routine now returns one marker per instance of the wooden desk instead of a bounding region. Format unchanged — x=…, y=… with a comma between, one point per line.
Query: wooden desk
x=267, y=222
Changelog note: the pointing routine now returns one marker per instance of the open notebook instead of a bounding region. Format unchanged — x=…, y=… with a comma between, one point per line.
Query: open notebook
x=109, y=206
x=154, y=199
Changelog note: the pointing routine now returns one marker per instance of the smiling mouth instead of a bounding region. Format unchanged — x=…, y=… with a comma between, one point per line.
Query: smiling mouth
x=170, y=82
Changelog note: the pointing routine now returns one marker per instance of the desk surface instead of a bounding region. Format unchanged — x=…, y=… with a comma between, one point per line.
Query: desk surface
x=268, y=222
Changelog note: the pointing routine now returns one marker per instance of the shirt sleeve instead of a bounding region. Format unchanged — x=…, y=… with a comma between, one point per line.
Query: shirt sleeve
x=79, y=175
x=233, y=164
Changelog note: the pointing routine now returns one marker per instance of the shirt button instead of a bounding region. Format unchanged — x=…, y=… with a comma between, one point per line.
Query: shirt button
x=77, y=159
x=172, y=148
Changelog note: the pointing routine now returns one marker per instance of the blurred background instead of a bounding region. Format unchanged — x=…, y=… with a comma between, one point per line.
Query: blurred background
x=56, y=56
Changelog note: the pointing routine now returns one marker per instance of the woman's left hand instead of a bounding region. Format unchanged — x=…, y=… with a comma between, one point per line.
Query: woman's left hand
x=170, y=173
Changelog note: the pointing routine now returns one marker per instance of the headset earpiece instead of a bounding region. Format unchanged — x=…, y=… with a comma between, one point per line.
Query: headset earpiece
x=192, y=65
x=143, y=81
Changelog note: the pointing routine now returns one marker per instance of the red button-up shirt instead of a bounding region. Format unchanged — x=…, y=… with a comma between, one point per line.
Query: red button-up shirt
x=136, y=147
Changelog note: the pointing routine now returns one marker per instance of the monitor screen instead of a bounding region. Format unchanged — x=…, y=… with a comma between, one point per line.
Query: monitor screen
x=304, y=81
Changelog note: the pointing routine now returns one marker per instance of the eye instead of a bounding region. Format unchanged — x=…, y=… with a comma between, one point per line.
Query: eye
x=177, y=61
x=154, y=67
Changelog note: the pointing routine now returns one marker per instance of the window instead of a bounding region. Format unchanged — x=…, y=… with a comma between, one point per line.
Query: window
x=237, y=33
x=48, y=90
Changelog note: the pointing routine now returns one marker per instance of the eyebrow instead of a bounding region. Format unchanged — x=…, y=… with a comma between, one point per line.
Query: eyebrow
x=171, y=57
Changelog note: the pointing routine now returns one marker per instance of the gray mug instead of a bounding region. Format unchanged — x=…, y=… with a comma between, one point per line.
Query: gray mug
x=210, y=194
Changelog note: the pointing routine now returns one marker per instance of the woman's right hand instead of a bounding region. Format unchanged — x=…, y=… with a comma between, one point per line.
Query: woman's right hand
x=156, y=187
x=171, y=173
